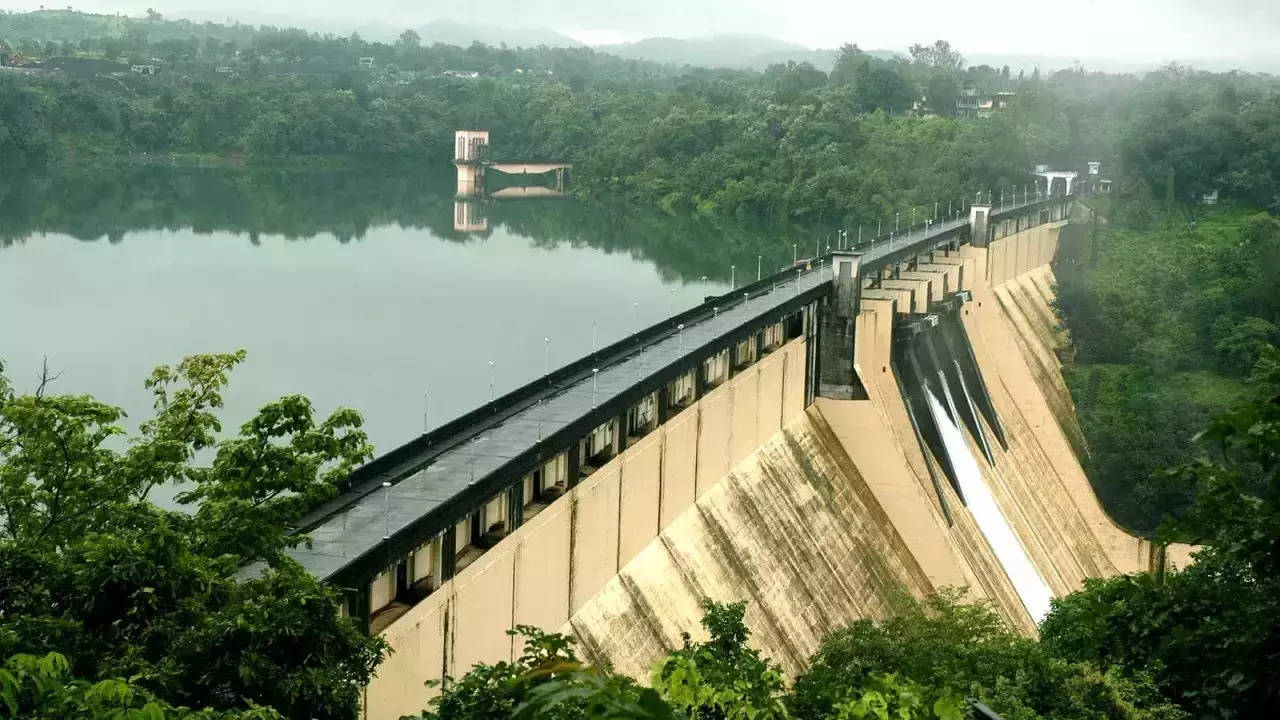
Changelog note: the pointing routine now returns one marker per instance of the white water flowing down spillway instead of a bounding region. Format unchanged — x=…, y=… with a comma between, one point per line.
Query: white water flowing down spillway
x=1027, y=582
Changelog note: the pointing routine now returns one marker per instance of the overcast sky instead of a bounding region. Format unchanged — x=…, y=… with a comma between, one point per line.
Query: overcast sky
x=1135, y=30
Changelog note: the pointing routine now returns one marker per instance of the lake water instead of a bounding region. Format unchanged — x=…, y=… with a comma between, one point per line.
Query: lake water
x=353, y=288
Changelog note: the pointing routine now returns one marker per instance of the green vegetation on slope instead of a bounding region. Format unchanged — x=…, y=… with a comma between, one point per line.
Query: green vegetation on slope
x=1166, y=322
x=1168, y=300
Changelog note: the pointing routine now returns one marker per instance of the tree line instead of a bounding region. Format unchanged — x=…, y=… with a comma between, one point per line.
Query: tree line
x=792, y=142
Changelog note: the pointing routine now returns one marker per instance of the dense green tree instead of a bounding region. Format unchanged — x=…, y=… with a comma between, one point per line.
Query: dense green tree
x=942, y=92
x=121, y=588
x=883, y=89
x=947, y=650
x=43, y=687
x=939, y=56
x=1210, y=634
x=1158, y=354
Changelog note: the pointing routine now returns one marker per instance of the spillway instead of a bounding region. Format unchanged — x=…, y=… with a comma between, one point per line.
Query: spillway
x=1027, y=581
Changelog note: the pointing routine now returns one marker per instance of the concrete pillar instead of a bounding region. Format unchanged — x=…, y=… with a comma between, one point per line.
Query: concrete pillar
x=978, y=232
x=573, y=464
x=620, y=437
x=515, y=506
x=836, y=375
x=470, y=179
x=449, y=553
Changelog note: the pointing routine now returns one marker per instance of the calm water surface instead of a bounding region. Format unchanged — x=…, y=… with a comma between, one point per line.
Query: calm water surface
x=351, y=288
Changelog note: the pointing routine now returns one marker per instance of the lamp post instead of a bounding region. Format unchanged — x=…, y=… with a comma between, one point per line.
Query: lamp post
x=546, y=355
x=490, y=381
x=733, y=276
x=386, y=510
x=425, y=424
x=759, y=267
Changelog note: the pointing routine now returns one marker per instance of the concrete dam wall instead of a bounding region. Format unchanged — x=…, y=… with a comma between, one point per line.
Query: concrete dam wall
x=838, y=515
x=957, y=467
x=554, y=564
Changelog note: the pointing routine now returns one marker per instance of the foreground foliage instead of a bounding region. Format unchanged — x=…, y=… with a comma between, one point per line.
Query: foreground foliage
x=101, y=584
x=924, y=663
x=1210, y=634
x=950, y=650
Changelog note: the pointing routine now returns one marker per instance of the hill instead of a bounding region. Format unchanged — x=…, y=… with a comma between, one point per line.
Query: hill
x=450, y=32
x=72, y=26
x=732, y=51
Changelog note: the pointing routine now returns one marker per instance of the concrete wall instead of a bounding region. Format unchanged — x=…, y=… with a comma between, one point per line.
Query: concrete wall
x=839, y=510
x=1021, y=252
x=792, y=529
x=1038, y=481
x=816, y=517
x=558, y=563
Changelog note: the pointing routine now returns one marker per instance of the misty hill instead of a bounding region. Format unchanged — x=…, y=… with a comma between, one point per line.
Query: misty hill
x=451, y=32
x=70, y=25
x=733, y=51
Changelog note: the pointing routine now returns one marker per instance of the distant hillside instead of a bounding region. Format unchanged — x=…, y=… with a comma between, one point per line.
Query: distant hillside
x=73, y=26
x=69, y=25
x=732, y=51
x=450, y=32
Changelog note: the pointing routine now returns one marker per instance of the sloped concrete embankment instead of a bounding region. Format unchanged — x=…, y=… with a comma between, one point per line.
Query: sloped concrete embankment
x=842, y=511
x=793, y=530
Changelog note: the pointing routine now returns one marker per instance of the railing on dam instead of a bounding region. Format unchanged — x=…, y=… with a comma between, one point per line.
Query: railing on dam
x=892, y=247
x=461, y=487
x=431, y=488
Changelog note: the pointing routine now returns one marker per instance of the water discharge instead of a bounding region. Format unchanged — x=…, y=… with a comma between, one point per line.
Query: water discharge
x=1027, y=581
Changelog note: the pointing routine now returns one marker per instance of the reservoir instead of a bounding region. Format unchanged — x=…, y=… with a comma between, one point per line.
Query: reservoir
x=364, y=289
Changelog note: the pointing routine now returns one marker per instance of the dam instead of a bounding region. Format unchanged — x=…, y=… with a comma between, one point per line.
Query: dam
x=872, y=424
